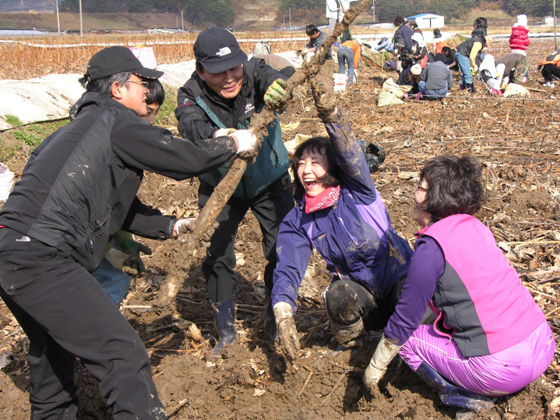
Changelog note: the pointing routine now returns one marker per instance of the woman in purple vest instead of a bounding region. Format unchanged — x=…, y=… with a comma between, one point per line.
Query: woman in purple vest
x=482, y=334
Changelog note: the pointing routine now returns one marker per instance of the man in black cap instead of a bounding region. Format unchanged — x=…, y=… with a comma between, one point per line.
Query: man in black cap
x=223, y=94
x=77, y=190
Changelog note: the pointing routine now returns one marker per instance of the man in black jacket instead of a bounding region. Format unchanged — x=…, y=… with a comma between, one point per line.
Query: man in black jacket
x=223, y=94
x=77, y=190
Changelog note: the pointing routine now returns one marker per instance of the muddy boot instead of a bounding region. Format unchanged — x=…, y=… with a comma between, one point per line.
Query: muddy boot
x=451, y=394
x=470, y=87
x=269, y=326
x=348, y=336
x=224, y=317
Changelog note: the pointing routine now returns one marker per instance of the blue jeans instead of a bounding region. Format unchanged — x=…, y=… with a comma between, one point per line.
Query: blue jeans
x=114, y=282
x=346, y=55
x=465, y=66
x=431, y=93
x=387, y=46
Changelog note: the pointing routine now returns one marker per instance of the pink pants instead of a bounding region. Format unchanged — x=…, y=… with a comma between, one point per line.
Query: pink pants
x=500, y=373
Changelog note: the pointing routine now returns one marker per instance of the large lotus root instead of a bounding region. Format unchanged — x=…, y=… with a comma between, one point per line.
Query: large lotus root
x=323, y=94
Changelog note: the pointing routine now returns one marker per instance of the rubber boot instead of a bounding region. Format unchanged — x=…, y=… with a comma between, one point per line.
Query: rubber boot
x=451, y=394
x=269, y=321
x=470, y=86
x=224, y=317
x=348, y=335
x=463, y=86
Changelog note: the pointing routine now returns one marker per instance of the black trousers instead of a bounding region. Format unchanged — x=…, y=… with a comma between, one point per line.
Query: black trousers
x=269, y=208
x=550, y=70
x=347, y=301
x=66, y=314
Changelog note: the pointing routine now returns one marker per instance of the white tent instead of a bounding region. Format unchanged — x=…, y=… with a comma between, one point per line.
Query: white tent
x=428, y=20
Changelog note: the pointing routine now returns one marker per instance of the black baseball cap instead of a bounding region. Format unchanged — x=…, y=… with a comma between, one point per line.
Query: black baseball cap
x=217, y=50
x=113, y=60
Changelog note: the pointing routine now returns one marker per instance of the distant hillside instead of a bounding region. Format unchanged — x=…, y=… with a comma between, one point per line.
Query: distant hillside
x=9, y=6
x=261, y=15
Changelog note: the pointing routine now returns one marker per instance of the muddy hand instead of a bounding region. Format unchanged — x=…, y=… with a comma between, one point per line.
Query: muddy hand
x=246, y=141
x=323, y=94
x=384, y=353
x=183, y=226
x=276, y=96
x=287, y=331
x=133, y=249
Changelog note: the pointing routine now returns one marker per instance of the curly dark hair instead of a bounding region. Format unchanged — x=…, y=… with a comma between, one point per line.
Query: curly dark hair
x=322, y=145
x=480, y=22
x=398, y=20
x=454, y=186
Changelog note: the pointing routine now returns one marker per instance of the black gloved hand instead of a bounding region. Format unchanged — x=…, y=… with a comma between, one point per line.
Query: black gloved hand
x=375, y=155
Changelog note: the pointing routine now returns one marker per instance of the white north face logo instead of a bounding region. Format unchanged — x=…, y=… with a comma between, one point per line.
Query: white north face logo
x=223, y=51
x=249, y=108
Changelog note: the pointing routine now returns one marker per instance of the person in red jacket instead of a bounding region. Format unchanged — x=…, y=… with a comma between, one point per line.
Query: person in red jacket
x=519, y=38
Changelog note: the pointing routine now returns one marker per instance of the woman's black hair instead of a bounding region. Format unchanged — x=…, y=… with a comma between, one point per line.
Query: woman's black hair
x=311, y=29
x=321, y=145
x=398, y=20
x=454, y=186
x=437, y=33
x=156, y=93
x=480, y=22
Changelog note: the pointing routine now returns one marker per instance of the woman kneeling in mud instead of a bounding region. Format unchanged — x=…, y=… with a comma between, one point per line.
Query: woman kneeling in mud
x=341, y=214
x=489, y=337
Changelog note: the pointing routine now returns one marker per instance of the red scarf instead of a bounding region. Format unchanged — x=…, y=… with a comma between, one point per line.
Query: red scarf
x=324, y=200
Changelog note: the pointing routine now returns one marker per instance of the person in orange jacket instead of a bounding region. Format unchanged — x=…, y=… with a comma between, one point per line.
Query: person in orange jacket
x=550, y=68
x=349, y=54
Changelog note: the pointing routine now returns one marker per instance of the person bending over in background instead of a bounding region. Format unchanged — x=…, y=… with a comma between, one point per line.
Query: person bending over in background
x=482, y=333
x=466, y=58
x=316, y=39
x=450, y=58
x=348, y=53
x=550, y=68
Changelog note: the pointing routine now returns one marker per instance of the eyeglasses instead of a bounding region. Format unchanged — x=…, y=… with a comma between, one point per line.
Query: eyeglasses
x=420, y=188
x=143, y=83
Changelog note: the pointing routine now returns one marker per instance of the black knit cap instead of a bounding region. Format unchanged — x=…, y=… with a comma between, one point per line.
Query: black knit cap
x=115, y=60
x=217, y=50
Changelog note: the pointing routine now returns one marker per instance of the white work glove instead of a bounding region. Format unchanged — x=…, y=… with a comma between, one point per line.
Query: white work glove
x=182, y=226
x=246, y=140
x=287, y=331
x=224, y=132
x=384, y=353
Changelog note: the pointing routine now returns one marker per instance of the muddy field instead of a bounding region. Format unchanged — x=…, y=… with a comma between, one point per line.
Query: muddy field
x=517, y=141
